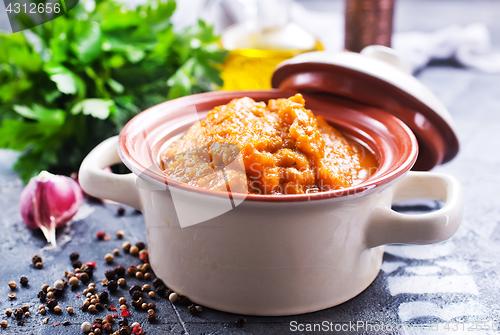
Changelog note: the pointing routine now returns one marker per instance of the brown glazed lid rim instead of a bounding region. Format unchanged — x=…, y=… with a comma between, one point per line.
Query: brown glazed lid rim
x=382, y=132
x=377, y=82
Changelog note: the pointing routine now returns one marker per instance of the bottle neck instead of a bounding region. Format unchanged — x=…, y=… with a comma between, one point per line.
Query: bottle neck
x=271, y=14
x=267, y=27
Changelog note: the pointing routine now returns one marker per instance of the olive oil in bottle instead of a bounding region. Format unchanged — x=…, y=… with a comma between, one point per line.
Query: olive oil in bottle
x=257, y=45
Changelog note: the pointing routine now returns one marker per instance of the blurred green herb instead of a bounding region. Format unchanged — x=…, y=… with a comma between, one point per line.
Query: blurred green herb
x=70, y=83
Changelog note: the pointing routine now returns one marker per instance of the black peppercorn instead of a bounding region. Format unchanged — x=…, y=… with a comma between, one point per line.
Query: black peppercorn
x=99, y=306
x=18, y=313
x=152, y=317
x=135, y=288
x=74, y=256
x=36, y=259
x=120, y=210
x=135, y=291
x=110, y=274
x=192, y=309
x=51, y=303
x=57, y=292
x=125, y=330
x=183, y=300
x=42, y=296
x=161, y=290
x=136, y=295
x=66, y=323
x=97, y=321
x=24, y=281
x=123, y=322
x=120, y=270
x=240, y=321
x=140, y=245
x=107, y=327
x=136, y=304
x=112, y=286
x=158, y=282
x=167, y=293
x=76, y=264
x=84, y=277
x=89, y=271
x=103, y=295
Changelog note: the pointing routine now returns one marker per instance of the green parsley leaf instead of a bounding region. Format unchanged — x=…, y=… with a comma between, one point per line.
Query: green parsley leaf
x=79, y=78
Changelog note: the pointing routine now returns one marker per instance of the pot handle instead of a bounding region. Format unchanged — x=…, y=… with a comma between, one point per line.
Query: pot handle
x=387, y=55
x=101, y=184
x=387, y=226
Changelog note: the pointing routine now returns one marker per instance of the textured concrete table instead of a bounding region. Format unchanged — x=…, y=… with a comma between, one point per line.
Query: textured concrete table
x=457, y=280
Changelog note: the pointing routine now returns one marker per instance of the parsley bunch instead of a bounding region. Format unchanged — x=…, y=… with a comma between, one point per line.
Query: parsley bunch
x=70, y=83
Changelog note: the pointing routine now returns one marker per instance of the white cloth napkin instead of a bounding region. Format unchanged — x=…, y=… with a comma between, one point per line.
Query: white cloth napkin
x=469, y=45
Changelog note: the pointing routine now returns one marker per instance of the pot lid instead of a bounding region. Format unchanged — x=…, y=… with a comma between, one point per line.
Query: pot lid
x=377, y=77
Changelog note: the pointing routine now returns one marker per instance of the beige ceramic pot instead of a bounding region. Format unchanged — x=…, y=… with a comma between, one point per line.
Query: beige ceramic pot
x=269, y=254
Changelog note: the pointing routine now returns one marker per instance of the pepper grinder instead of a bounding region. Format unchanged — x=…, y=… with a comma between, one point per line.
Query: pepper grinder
x=368, y=22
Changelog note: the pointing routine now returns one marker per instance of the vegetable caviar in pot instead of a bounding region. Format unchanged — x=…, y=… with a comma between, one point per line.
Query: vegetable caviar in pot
x=281, y=148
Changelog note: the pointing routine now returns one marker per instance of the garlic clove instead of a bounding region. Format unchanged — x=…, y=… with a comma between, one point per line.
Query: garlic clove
x=48, y=202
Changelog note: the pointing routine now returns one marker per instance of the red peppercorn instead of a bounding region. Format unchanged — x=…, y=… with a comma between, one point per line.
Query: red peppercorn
x=137, y=330
x=144, y=257
x=100, y=235
x=90, y=264
x=125, y=312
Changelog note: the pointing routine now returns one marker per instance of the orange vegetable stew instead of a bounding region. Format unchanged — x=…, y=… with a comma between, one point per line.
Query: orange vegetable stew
x=278, y=148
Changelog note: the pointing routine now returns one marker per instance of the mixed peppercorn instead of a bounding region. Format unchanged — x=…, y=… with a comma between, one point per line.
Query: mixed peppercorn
x=95, y=300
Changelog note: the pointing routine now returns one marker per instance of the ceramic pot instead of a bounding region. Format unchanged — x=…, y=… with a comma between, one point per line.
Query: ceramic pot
x=269, y=254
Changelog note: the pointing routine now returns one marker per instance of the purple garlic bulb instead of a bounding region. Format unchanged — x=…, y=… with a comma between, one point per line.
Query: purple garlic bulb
x=49, y=202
